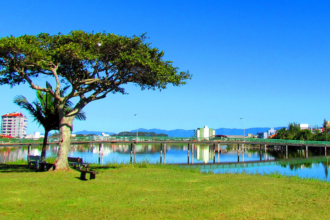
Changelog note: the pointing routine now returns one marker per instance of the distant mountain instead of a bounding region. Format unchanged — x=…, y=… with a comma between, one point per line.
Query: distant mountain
x=84, y=132
x=224, y=131
x=171, y=133
x=235, y=131
x=188, y=133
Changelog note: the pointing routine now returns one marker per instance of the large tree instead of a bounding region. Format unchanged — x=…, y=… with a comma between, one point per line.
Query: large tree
x=92, y=64
x=44, y=112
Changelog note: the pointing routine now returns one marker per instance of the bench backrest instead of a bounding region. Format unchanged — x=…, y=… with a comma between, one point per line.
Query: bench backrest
x=34, y=158
x=74, y=159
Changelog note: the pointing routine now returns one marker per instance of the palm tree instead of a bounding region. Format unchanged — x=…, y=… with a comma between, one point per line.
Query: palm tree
x=45, y=113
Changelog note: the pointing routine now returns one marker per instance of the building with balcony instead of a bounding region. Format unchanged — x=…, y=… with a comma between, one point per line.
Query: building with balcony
x=14, y=124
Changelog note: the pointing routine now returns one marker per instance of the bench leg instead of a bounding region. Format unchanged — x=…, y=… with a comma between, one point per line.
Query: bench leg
x=49, y=166
x=83, y=176
x=37, y=166
x=92, y=176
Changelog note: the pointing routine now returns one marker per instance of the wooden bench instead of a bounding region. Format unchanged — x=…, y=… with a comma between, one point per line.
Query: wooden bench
x=92, y=174
x=36, y=160
x=74, y=161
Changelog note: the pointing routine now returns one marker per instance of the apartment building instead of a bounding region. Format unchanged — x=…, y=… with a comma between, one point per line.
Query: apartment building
x=14, y=124
x=204, y=133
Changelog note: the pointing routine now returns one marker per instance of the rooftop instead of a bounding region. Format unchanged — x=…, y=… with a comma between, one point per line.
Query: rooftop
x=14, y=114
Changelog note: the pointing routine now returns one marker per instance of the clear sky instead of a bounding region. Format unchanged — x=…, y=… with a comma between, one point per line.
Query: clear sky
x=265, y=61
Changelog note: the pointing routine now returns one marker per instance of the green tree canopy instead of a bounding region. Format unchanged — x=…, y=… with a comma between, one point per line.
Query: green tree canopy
x=91, y=64
x=293, y=132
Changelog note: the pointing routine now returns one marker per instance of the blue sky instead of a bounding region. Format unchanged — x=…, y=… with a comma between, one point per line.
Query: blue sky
x=265, y=61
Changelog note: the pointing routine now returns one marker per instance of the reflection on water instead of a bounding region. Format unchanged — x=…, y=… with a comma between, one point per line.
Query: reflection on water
x=178, y=153
x=317, y=170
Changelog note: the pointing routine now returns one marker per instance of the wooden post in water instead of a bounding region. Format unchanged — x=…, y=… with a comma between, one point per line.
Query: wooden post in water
x=188, y=155
x=164, y=153
x=192, y=153
x=306, y=151
x=161, y=152
x=131, y=153
x=29, y=151
x=134, y=152
x=100, y=145
x=237, y=153
x=218, y=153
x=214, y=153
x=286, y=152
x=325, y=151
x=242, y=152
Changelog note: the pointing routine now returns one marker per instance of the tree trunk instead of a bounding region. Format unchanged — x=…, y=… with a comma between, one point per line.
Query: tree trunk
x=61, y=162
x=44, y=146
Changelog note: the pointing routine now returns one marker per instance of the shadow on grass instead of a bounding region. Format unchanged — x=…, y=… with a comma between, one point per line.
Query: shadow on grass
x=81, y=179
x=102, y=167
x=15, y=168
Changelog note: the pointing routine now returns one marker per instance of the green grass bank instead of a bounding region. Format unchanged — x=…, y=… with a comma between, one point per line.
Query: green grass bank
x=158, y=192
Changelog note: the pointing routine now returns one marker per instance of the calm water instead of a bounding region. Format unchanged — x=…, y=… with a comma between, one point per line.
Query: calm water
x=317, y=167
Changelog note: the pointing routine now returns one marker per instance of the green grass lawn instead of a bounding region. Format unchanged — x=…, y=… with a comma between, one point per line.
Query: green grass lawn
x=155, y=192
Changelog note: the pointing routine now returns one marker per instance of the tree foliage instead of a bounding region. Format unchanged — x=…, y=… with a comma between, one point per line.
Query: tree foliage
x=293, y=132
x=100, y=62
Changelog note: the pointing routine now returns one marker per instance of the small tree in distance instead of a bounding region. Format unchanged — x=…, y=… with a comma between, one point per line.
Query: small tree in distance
x=93, y=65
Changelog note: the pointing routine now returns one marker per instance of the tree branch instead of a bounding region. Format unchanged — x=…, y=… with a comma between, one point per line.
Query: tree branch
x=33, y=86
x=58, y=84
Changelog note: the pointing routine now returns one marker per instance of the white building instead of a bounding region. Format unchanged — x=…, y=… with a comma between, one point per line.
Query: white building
x=14, y=124
x=204, y=133
x=34, y=136
x=267, y=134
x=304, y=126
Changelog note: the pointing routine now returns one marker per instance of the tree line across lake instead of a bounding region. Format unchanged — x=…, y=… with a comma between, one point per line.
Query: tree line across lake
x=294, y=132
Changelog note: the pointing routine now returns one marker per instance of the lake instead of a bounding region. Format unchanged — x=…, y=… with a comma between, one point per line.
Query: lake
x=271, y=160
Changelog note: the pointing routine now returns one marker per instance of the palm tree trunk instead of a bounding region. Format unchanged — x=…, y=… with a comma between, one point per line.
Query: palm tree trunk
x=44, y=146
x=64, y=143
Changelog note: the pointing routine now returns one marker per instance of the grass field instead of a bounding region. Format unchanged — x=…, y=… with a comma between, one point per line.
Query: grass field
x=158, y=192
